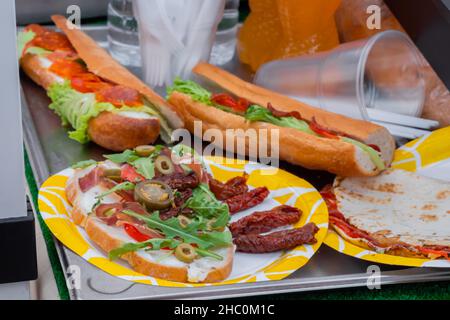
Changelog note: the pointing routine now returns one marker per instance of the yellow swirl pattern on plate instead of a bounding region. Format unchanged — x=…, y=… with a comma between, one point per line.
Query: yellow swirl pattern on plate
x=417, y=154
x=284, y=187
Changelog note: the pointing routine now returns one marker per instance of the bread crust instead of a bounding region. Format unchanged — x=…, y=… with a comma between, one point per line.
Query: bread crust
x=32, y=67
x=364, y=131
x=117, y=133
x=102, y=64
x=73, y=193
x=112, y=131
x=296, y=146
x=179, y=274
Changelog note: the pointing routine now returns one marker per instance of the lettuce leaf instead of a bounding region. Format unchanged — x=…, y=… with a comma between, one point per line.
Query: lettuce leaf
x=23, y=37
x=194, y=90
x=373, y=154
x=258, y=113
x=83, y=164
x=76, y=108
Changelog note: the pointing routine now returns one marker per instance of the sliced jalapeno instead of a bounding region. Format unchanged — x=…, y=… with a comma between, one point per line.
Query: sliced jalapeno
x=164, y=165
x=185, y=252
x=153, y=195
x=144, y=150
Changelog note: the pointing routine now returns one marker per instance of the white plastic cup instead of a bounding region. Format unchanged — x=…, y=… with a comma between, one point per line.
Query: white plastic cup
x=380, y=72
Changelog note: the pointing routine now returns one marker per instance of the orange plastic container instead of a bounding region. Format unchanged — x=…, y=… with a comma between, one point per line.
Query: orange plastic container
x=285, y=28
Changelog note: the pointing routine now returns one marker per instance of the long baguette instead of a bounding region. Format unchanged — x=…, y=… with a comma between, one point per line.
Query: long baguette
x=295, y=146
x=364, y=131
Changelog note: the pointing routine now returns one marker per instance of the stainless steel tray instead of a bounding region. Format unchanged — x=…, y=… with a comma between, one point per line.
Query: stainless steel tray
x=50, y=150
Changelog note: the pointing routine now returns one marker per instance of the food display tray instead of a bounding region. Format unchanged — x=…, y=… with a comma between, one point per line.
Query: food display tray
x=50, y=151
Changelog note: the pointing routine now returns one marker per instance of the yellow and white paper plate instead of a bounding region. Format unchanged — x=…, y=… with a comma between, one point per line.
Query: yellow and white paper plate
x=284, y=187
x=428, y=156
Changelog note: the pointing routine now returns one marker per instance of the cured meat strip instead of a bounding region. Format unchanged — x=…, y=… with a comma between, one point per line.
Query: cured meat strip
x=276, y=241
x=265, y=221
x=247, y=200
x=91, y=179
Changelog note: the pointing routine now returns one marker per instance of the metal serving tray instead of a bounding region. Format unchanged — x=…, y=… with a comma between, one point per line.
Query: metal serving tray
x=50, y=150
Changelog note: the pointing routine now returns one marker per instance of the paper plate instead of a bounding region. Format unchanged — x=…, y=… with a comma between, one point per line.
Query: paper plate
x=284, y=187
x=428, y=156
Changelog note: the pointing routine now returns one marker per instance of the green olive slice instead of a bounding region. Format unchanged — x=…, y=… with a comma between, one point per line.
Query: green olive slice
x=164, y=165
x=185, y=252
x=112, y=172
x=144, y=150
x=183, y=220
x=153, y=195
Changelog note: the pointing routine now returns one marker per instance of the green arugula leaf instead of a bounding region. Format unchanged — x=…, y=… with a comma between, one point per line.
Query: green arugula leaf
x=207, y=253
x=204, y=203
x=128, y=156
x=172, y=228
x=151, y=244
x=145, y=167
x=83, y=164
x=127, y=186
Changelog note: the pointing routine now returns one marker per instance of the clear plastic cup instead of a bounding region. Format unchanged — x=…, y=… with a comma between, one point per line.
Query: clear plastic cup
x=381, y=72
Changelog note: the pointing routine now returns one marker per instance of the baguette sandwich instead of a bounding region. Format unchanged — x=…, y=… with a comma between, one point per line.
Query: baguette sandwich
x=310, y=137
x=100, y=99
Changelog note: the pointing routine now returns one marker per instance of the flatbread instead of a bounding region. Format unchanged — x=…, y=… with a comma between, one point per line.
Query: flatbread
x=398, y=205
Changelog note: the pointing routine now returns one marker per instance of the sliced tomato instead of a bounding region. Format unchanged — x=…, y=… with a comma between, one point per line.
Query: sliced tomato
x=226, y=100
x=60, y=55
x=130, y=174
x=134, y=233
x=437, y=253
x=88, y=82
x=51, y=40
x=67, y=68
x=321, y=131
x=119, y=96
x=375, y=147
x=36, y=28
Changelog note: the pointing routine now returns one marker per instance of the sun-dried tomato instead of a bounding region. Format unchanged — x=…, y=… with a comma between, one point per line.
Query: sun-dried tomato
x=247, y=200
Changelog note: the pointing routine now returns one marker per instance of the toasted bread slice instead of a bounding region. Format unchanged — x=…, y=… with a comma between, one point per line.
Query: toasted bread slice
x=160, y=263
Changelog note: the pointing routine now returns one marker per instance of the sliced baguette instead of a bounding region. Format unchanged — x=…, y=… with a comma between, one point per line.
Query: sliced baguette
x=82, y=202
x=296, y=146
x=154, y=264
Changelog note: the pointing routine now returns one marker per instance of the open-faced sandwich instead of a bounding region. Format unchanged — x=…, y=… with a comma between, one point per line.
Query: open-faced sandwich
x=161, y=211
x=310, y=137
x=100, y=99
x=398, y=213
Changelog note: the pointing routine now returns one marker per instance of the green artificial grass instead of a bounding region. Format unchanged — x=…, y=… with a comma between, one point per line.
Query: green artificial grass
x=51, y=249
